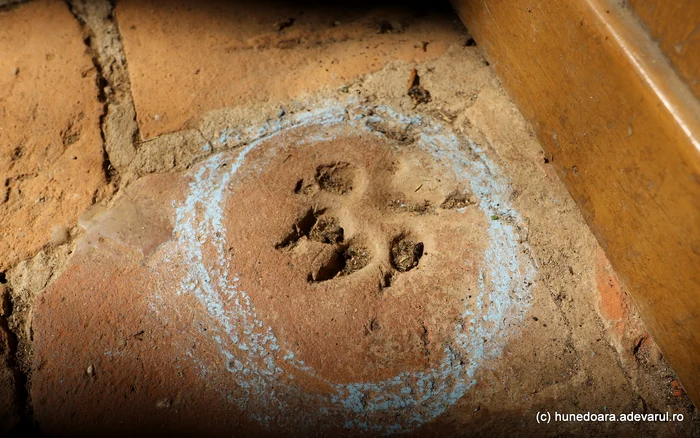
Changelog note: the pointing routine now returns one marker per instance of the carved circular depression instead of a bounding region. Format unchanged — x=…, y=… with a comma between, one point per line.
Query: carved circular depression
x=351, y=279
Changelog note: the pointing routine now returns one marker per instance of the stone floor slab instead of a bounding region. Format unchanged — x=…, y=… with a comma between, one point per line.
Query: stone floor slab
x=318, y=249
x=182, y=310
x=51, y=156
x=190, y=57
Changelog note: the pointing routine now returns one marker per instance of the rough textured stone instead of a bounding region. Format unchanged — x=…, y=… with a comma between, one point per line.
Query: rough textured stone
x=181, y=310
x=261, y=341
x=190, y=57
x=50, y=145
x=218, y=296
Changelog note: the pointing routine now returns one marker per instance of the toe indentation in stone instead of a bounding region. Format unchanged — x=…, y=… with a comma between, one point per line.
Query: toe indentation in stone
x=344, y=260
x=356, y=256
x=405, y=253
x=336, y=178
x=315, y=226
x=302, y=227
x=326, y=230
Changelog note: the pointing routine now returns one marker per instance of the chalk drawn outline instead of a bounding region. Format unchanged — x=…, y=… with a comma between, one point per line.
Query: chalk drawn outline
x=248, y=345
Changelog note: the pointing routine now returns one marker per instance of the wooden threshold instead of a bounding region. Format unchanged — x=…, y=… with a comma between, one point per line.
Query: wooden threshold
x=623, y=131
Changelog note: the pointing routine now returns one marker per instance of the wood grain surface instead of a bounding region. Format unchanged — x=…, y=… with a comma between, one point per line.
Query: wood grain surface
x=676, y=27
x=622, y=128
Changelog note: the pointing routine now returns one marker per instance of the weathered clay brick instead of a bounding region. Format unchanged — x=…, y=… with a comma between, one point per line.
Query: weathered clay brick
x=290, y=310
x=50, y=146
x=190, y=57
x=203, y=305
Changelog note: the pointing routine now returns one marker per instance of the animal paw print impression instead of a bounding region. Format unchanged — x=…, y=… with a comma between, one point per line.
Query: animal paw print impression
x=341, y=255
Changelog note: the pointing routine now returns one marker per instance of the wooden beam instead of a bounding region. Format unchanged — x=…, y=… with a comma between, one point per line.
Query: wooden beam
x=623, y=130
x=670, y=23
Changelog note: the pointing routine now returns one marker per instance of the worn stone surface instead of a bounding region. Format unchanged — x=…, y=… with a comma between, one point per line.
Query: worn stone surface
x=282, y=303
x=51, y=166
x=189, y=57
x=270, y=335
x=50, y=146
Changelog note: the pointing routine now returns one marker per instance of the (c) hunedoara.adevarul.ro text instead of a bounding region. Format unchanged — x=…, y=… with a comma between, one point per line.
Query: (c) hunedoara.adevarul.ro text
x=547, y=417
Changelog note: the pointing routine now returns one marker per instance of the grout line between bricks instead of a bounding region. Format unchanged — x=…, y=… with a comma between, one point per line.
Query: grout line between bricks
x=118, y=126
